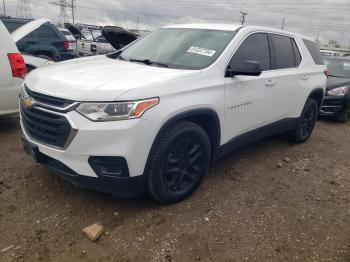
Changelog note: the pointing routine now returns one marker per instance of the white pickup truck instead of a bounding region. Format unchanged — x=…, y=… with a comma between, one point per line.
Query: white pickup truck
x=111, y=38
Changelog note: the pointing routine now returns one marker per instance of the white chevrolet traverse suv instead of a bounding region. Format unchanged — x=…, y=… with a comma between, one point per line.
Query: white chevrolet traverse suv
x=152, y=116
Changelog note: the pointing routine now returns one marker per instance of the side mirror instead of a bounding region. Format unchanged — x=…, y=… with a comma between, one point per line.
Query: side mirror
x=246, y=68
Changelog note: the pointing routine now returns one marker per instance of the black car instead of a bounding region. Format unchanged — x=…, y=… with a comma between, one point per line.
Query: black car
x=337, y=99
x=46, y=41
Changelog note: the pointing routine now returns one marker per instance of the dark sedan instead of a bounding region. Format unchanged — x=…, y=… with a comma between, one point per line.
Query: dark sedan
x=337, y=99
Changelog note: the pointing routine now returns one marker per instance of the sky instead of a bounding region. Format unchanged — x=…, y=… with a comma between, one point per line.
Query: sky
x=326, y=19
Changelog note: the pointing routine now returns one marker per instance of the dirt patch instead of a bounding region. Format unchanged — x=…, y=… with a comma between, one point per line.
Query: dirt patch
x=271, y=201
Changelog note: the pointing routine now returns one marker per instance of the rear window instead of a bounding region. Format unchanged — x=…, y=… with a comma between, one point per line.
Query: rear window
x=12, y=25
x=45, y=31
x=314, y=52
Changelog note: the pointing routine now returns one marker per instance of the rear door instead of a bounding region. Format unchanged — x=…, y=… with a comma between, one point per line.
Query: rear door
x=289, y=77
x=249, y=100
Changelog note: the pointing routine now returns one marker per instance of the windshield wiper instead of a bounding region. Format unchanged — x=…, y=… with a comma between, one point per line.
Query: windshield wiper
x=148, y=62
x=122, y=58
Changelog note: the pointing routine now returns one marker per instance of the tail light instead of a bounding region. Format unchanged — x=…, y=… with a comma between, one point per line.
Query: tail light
x=326, y=72
x=18, y=66
x=66, y=44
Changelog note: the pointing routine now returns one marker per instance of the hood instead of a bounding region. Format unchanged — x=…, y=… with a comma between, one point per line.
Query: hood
x=334, y=82
x=99, y=78
x=26, y=29
x=118, y=37
x=75, y=31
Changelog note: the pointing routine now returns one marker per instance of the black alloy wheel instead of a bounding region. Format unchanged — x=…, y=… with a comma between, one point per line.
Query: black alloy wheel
x=178, y=162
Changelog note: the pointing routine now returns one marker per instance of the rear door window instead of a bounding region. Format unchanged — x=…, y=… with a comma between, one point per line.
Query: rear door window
x=254, y=48
x=314, y=52
x=283, y=52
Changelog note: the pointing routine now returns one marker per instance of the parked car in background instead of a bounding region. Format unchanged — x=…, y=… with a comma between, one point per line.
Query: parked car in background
x=9, y=55
x=93, y=46
x=44, y=41
x=337, y=100
x=329, y=53
x=153, y=115
x=12, y=72
x=109, y=39
x=70, y=38
x=31, y=61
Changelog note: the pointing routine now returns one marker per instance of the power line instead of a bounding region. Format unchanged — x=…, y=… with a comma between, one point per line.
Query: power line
x=3, y=4
x=63, y=16
x=23, y=9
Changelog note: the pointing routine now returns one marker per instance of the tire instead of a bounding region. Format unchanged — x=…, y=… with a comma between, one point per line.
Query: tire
x=343, y=117
x=306, y=122
x=178, y=162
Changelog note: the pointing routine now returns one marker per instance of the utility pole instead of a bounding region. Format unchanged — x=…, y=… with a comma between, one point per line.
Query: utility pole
x=65, y=6
x=137, y=23
x=23, y=9
x=244, y=14
x=73, y=10
x=284, y=20
x=3, y=1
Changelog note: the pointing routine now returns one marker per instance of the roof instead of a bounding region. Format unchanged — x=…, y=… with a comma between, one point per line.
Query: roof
x=234, y=27
x=228, y=27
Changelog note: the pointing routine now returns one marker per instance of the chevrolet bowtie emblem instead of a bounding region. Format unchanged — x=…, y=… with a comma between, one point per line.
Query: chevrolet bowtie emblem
x=28, y=102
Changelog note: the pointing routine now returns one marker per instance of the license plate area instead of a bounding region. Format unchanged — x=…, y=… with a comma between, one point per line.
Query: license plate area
x=30, y=149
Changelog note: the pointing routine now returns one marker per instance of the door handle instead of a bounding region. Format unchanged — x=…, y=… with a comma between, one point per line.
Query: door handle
x=305, y=77
x=270, y=82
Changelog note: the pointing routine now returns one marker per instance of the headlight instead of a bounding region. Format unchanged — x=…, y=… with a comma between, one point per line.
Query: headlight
x=116, y=111
x=339, y=91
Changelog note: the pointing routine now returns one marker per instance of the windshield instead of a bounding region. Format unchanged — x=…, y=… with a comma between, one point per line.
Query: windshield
x=338, y=68
x=180, y=48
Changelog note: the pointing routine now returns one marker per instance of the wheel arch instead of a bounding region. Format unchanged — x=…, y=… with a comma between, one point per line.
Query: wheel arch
x=318, y=95
x=206, y=118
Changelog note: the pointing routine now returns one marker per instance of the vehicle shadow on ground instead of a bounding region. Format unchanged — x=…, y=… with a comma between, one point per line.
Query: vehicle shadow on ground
x=108, y=202
x=9, y=124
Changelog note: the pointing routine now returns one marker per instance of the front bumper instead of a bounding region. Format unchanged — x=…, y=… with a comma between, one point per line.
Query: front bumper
x=119, y=186
x=333, y=105
x=129, y=139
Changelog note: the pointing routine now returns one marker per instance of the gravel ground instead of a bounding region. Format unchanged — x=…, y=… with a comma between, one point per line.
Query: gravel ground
x=271, y=201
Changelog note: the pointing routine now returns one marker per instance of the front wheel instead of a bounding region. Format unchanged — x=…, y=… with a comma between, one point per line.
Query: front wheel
x=178, y=163
x=306, y=122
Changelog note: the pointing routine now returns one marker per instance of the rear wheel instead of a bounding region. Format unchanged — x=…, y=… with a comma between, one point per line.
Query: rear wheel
x=306, y=122
x=179, y=161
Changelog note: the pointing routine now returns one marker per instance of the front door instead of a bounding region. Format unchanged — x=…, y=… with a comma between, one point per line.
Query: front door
x=249, y=100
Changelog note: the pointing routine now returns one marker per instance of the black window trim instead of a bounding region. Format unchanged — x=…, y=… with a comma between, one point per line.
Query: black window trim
x=243, y=40
x=273, y=52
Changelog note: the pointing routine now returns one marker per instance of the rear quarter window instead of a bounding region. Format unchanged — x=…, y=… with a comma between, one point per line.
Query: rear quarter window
x=314, y=52
x=12, y=25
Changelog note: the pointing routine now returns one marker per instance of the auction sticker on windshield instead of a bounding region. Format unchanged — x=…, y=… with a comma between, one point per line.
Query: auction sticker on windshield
x=201, y=51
